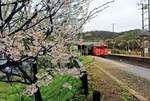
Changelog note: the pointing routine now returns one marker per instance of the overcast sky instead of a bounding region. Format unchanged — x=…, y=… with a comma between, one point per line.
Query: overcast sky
x=125, y=14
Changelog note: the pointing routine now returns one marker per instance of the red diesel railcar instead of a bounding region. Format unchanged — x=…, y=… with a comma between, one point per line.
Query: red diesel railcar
x=97, y=50
x=100, y=50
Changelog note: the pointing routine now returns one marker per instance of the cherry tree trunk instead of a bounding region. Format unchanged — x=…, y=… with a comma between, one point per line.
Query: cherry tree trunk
x=37, y=95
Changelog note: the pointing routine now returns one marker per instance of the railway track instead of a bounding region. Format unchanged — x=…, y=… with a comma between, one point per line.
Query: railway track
x=135, y=60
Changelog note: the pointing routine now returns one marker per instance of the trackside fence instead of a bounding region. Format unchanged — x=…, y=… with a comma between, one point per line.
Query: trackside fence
x=83, y=75
x=84, y=79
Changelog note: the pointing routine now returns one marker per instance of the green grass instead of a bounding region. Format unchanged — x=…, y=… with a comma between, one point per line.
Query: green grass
x=125, y=96
x=84, y=60
x=53, y=92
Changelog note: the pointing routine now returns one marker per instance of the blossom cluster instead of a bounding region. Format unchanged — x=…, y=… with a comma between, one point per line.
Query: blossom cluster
x=73, y=71
x=30, y=90
x=67, y=85
x=44, y=78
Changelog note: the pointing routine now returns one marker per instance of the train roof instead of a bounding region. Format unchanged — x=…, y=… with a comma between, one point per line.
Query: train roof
x=100, y=46
x=92, y=43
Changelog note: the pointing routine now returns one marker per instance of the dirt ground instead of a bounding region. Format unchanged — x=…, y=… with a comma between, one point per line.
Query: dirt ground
x=111, y=90
x=137, y=83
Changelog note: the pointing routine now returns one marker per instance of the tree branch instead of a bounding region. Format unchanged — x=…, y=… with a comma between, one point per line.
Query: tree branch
x=27, y=22
x=15, y=81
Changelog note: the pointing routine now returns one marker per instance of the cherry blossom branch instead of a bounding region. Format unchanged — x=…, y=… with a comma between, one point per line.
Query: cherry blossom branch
x=15, y=81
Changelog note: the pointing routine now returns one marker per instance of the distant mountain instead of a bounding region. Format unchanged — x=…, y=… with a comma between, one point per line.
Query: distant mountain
x=129, y=35
x=104, y=35
x=98, y=35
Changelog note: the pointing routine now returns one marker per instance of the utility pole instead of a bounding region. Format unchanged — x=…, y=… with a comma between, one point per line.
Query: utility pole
x=145, y=7
x=143, y=16
x=149, y=25
x=113, y=30
x=128, y=48
x=143, y=28
x=148, y=15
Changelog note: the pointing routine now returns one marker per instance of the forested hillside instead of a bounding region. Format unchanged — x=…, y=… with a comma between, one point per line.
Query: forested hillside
x=104, y=35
